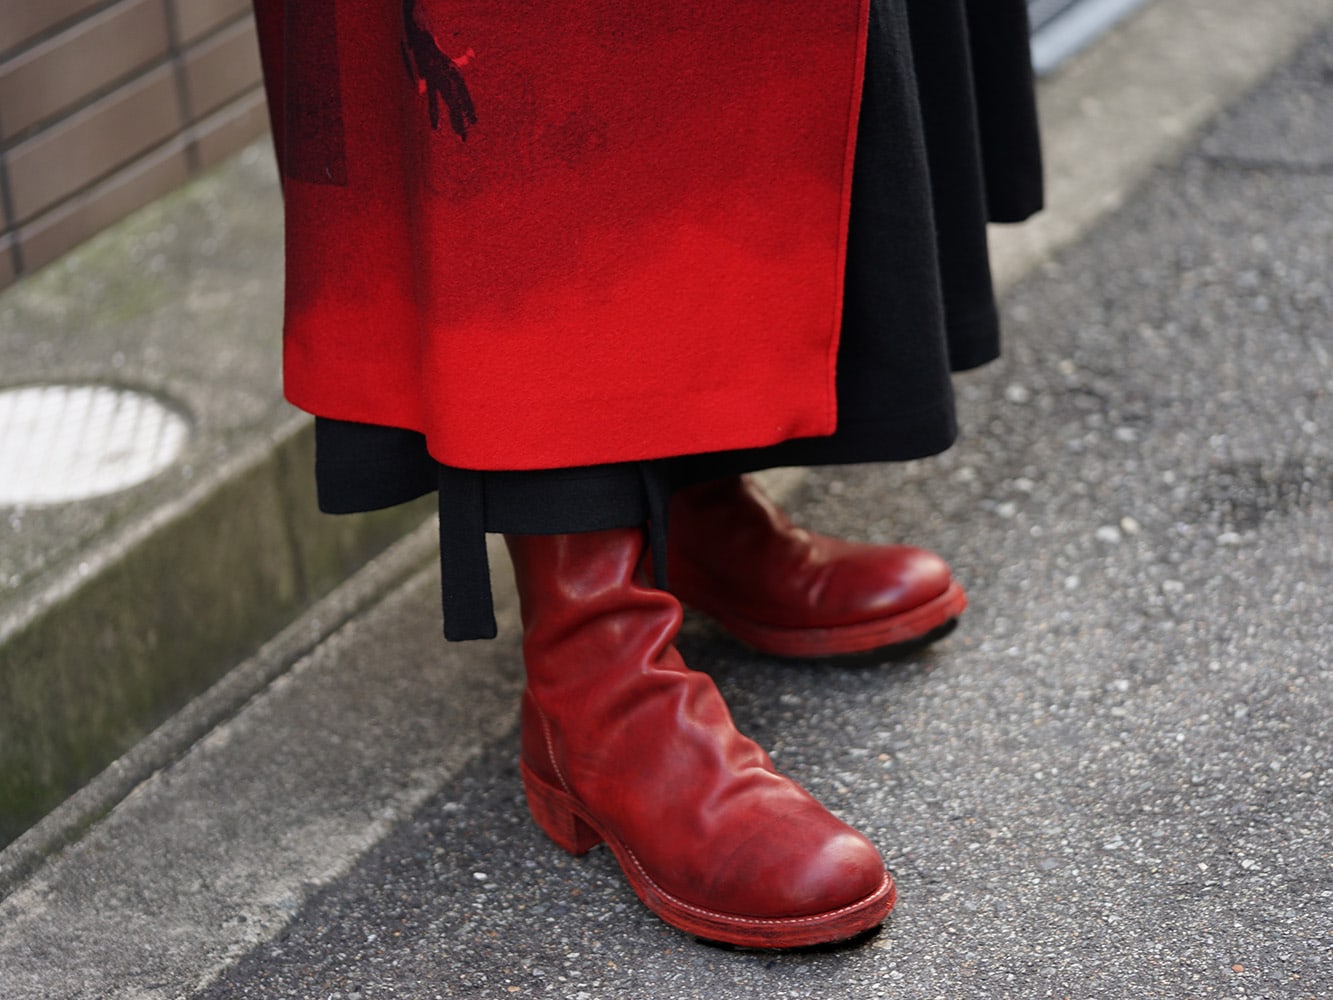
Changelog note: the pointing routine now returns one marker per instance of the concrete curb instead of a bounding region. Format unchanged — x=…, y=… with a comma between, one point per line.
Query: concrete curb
x=158, y=611
x=348, y=721
x=235, y=687
x=118, y=609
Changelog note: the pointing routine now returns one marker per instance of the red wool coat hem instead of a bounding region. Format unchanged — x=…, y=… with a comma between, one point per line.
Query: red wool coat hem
x=570, y=233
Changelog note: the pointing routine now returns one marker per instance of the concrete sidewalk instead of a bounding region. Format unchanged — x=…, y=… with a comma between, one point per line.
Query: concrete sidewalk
x=1113, y=780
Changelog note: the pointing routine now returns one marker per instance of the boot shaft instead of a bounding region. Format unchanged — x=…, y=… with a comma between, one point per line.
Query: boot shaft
x=586, y=596
x=598, y=649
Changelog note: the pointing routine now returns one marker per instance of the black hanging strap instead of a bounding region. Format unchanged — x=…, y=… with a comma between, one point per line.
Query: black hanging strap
x=465, y=572
x=657, y=492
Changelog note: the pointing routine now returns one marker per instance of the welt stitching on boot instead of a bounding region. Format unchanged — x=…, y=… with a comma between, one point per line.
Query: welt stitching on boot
x=735, y=556
x=622, y=742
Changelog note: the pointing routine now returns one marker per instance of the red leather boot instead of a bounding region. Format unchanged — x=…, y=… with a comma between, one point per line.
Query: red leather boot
x=622, y=743
x=735, y=556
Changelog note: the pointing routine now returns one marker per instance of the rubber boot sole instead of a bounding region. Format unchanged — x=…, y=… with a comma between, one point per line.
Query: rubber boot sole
x=930, y=620
x=567, y=823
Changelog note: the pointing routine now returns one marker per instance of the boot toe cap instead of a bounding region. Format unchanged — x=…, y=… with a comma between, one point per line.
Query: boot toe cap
x=876, y=581
x=844, y=871
x=802, y=869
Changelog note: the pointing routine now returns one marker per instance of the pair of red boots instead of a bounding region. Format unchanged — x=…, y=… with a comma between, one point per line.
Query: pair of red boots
x=622, y=743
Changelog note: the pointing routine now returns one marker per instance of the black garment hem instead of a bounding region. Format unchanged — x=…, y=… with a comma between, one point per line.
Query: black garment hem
x=555, y=501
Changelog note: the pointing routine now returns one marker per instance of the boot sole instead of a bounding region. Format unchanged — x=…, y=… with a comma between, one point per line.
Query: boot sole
x=928, y=621
x=567, y=823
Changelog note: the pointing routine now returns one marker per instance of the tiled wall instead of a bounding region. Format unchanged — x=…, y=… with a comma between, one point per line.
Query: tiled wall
x=107, y=104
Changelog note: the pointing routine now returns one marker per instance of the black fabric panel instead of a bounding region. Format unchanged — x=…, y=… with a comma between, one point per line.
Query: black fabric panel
x=953, y=149
x=359, y=467
x=1006, y=108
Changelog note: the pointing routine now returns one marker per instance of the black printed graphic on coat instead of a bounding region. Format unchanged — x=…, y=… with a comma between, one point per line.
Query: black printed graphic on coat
x=315, y=145
x=435, y=73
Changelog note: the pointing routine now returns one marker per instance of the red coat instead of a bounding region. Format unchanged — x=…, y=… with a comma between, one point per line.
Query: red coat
x=566, y=232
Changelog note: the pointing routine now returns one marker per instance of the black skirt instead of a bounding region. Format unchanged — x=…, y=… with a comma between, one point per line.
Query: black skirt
x=947, y=140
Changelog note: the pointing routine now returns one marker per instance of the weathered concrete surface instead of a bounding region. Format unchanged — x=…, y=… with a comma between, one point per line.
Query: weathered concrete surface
x=1112, y=781
x=115, y=611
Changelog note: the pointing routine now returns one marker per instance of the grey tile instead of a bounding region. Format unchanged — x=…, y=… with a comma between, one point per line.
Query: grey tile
x=7, y=272
x=67, y=157
x=228, y=130
x=196, y=18
x=223, y=67
x=77, y=63
x=59, y=230
x=23, y=21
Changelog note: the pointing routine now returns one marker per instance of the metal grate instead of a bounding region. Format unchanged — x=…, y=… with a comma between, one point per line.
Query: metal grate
x=68, y=442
